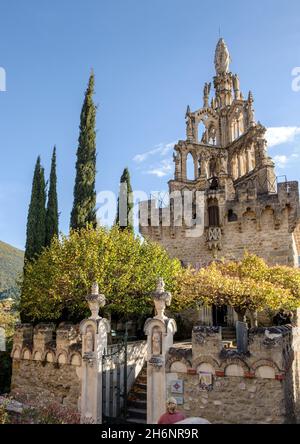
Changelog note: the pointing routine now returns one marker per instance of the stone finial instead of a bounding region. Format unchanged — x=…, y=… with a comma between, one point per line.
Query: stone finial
x=206, y=92
x=95, y=301
x=161, y=299
x=222, y=58
x=188, y=111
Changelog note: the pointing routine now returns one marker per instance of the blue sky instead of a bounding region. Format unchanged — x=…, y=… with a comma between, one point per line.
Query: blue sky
x=150, y=59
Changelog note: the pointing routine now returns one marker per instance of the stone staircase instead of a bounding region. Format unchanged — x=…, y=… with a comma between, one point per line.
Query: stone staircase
x=229, y=337
x=137, y=400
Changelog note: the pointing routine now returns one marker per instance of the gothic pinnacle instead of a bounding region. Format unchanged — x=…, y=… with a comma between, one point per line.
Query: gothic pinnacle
x=222, y=58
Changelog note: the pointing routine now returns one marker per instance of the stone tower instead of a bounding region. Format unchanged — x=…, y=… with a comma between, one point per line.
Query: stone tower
x=244, y=206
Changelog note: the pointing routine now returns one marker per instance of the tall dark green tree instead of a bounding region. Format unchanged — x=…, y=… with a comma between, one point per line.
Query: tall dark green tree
x=52, y=206
x=124, y=218
x=84, y=206
x=35, y=233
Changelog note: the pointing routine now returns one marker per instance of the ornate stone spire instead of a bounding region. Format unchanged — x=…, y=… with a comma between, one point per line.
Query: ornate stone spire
x=222, y=58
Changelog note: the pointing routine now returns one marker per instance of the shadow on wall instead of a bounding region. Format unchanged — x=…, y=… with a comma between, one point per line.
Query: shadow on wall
x=5, y=371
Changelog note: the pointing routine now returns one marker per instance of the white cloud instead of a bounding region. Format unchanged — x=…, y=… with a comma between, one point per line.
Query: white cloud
x=161, y=149
x=163, y=169
x=282, y=134
x=282, y=160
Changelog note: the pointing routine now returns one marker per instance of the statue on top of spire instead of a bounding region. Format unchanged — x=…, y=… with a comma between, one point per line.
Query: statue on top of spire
x=222, y=58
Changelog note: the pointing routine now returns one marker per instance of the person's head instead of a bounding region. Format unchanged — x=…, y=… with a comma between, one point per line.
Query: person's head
x=171, y=405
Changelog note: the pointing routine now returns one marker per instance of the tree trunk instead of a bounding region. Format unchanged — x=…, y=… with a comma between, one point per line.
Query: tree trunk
x=241, y=313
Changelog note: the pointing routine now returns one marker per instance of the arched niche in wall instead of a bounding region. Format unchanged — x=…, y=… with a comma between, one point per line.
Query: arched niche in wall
x=212, y=135
x=206, y=368
x=213, y=213
x=178, y=367
x=234, y=370
x=232, y=217
x=265, y=372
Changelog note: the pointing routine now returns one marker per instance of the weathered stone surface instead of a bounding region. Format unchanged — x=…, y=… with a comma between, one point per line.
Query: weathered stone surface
x=46, y=382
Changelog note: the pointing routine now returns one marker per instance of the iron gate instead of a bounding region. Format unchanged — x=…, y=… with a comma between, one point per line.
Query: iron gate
x=114, y=383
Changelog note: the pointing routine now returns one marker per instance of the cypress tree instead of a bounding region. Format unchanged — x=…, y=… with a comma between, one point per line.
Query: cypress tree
x=52, y=206
x=84, y=210
x=35, y=233
x=124, y=216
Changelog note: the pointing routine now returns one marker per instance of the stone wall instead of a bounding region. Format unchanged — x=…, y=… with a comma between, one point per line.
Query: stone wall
x=259, y=229
x=47, y=363
x=45, y=368
x=225, y=386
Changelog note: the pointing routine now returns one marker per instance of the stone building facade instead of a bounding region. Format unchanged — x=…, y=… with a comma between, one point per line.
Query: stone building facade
x=260, y=386
x=244, y=206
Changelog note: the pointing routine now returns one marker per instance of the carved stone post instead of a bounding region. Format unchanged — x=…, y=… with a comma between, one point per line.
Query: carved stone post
x=160, y=331
x=94, y=341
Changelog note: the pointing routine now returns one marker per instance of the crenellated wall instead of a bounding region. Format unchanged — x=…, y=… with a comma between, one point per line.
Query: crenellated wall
x=45, y=367
x=260, y=386
x=47, y=363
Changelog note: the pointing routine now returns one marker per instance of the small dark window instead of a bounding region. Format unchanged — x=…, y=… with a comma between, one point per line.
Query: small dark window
x=232, y=217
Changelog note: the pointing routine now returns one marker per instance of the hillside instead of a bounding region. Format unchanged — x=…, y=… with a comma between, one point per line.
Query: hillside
x=11, y=265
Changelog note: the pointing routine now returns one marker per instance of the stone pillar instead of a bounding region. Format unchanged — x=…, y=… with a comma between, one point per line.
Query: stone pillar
x=94, y=341
x=249, y=160
x=159, y=331
x=183, y=166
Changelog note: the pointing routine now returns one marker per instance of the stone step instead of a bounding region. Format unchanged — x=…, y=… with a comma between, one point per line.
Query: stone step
x=141, y=386
x=142, y=380
x=136, y=421
x=138, y=395
x=137, y=403
x=136, y=413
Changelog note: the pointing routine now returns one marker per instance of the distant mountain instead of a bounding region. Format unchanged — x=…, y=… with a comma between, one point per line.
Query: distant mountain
x=11, y=266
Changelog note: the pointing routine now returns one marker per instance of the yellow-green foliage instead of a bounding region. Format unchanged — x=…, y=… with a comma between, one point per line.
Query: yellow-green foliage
x=7, y=317
x=247, y=284
x=125, y=268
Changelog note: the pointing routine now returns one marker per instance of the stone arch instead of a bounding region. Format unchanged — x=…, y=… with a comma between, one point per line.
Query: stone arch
x=234, y=370
x=236, y=124
x=201, y=130
x=265, y=372
x=285, y=214
x=178, y=367
x=267, y=217
x=212, y=134
x=191, y=166
x=49, y=356
x=265, y=363
x=206, y=368
x=232, y=216
x=37, y=355
x=16, y=353
x=249, y=219
x=62, y=357
x=26, y=354
x=208, y=360
x=237, y=362
x=175, y=359
x=75, y=359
